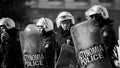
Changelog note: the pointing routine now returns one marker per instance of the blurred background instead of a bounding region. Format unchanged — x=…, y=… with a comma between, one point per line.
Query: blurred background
x=24, y=12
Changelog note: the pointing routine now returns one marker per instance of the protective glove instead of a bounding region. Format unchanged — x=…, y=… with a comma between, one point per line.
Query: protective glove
x=68, y=42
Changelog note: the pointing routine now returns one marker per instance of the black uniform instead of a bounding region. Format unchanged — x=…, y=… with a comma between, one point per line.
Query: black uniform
x=49, y=40
x=109, y=39
x=12, y=53
x=65, y=49
x=108, y=34
x=61, y=38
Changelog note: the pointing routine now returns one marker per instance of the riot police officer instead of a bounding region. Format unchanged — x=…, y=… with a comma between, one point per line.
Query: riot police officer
x=45, y=26
x=12, y=54
x=64, y=22
x=100, y=14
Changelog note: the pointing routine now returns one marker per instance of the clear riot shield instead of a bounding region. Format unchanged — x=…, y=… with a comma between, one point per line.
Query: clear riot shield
x=67, y=57
x=32, y=49
x=90, y=51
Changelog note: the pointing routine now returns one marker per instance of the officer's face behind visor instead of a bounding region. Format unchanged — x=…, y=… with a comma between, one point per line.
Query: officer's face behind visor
x=2, y=28
x=96, y=17
x=65, y=24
